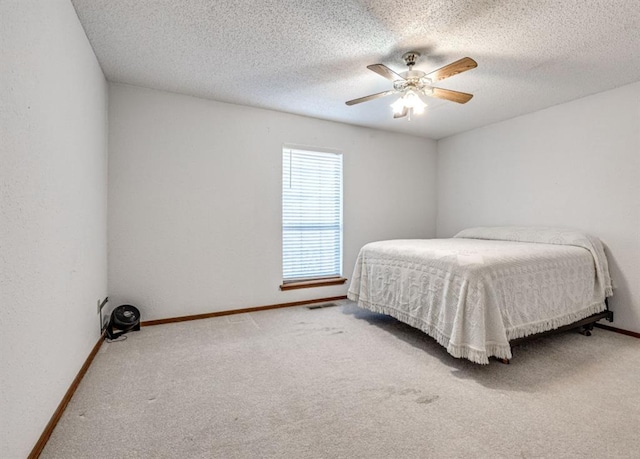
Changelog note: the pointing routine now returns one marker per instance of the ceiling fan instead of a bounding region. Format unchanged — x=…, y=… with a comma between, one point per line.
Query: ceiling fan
x=413, y=84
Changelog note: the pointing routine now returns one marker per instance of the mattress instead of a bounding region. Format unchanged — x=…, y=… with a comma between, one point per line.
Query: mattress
x=482, y=288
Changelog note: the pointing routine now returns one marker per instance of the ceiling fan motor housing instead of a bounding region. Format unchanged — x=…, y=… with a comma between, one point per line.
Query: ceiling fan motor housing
x=413, y=78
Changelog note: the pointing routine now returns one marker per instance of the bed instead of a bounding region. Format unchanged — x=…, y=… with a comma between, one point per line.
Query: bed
x=483, y=289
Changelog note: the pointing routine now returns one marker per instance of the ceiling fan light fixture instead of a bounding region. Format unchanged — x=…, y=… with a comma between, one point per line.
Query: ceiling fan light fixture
x=410, y=101
x=398, y=106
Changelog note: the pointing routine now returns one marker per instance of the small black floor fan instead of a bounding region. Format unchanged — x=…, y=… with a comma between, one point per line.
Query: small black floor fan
x=124, y=318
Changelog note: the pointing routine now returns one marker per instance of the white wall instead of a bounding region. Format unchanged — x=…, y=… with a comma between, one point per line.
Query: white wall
x=195, y=199
x=573, y=165
x=52, y=211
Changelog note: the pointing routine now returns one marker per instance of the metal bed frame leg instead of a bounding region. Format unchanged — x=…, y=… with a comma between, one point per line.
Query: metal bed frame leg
x=586, y=329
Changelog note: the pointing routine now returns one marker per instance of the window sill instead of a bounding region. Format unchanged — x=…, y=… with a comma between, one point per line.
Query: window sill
x=308, y=283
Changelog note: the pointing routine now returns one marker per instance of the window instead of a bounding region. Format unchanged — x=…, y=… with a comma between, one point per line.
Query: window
x=311, y=218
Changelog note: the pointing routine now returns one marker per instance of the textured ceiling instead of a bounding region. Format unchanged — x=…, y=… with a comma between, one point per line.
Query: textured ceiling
x=309, y=56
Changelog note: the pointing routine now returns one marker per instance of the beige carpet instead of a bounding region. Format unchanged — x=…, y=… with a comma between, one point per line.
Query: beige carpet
x=343, y=382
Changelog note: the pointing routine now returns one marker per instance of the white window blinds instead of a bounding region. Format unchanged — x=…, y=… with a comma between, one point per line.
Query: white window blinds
x=311, y=214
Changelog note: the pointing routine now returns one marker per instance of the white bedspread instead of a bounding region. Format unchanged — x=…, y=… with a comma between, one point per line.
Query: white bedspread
x=473, y=293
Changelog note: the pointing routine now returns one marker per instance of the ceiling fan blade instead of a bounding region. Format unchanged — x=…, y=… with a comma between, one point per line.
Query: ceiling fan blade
x=453, y=96
x=462, y=65
x=370, y=97
x=405, y=110
x=385, y=71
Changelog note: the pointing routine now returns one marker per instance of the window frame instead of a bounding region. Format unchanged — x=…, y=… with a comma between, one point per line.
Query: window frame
x=315, y=281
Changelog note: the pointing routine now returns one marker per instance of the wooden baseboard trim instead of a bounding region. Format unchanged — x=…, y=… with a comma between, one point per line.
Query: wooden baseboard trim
x=619, y=330
x=48, y=430
x=209, y=315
